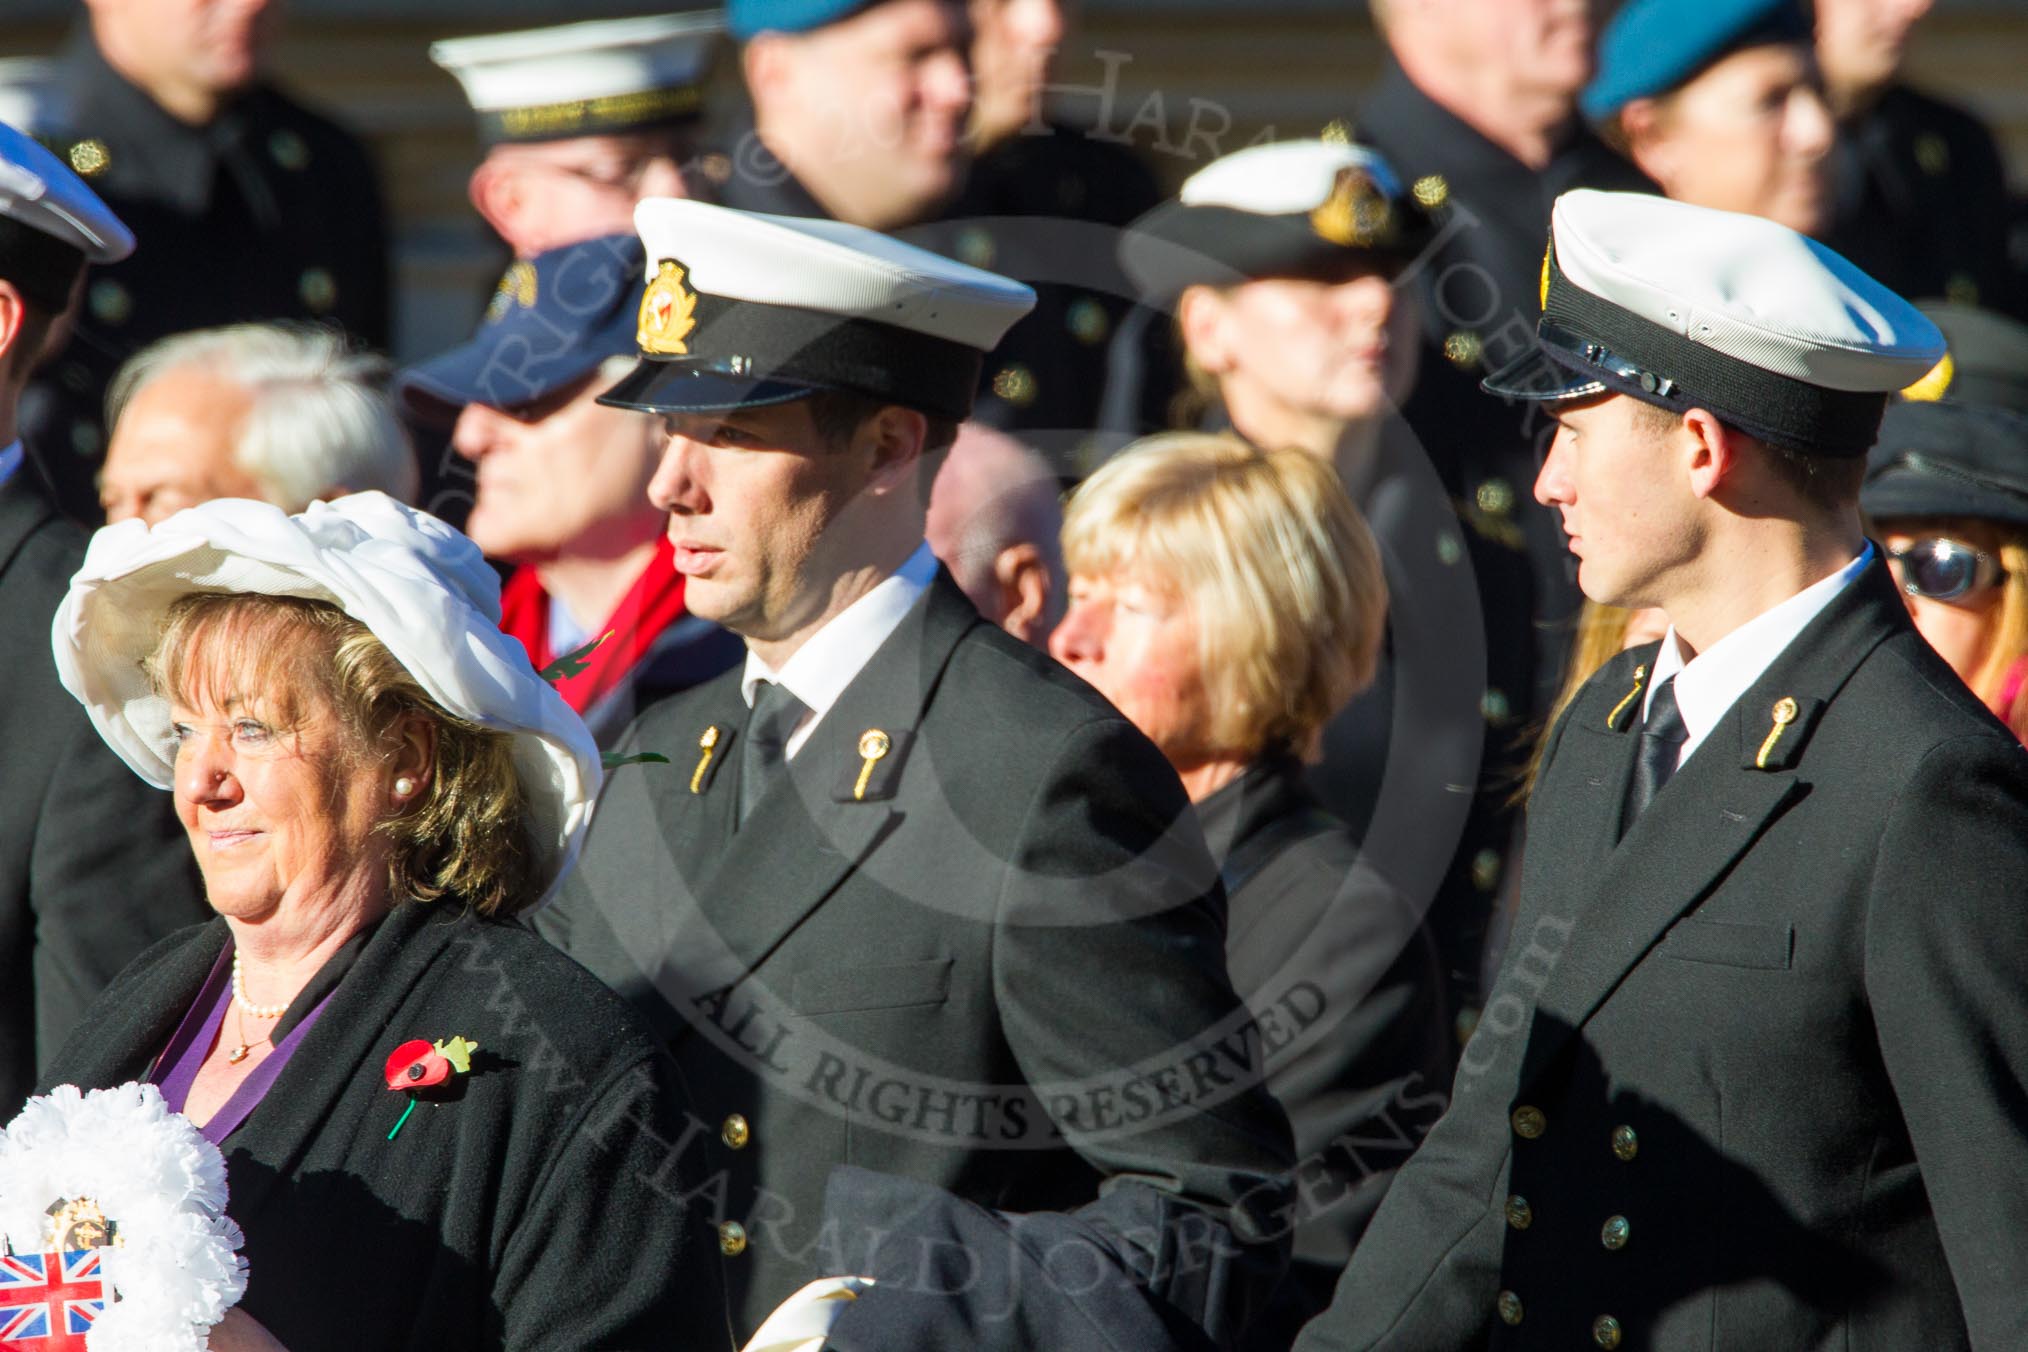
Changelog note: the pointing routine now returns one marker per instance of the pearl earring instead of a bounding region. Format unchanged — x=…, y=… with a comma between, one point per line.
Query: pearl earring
x=404, y=786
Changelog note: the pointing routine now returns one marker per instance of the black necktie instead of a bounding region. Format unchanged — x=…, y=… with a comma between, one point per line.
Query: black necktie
x=774, y=716
x=1662, y=737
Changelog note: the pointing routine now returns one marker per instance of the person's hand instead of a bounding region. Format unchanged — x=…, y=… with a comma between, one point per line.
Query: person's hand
x=241, y=1332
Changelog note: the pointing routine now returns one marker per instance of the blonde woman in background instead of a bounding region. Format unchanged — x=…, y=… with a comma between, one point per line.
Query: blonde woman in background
x=1229, y=601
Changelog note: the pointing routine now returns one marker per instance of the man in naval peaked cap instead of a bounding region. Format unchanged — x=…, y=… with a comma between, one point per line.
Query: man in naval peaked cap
x=93, y=868
x=1754, y=1057
x=909, y=895
x=582, y=121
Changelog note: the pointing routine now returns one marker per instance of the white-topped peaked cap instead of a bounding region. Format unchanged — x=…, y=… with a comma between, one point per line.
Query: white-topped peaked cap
x=422, y=588
x=743, y=309
x=1686, y=306
x=42, y=193
x=585, y=79
x=1283, y=177
x=1317, y=209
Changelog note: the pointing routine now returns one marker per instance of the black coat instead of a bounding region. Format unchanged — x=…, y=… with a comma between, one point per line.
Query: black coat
x=270, y=212
x=987, y=972
x=1922, y=203
x=1752, y=1076
x=1338, y=968
x=543, y=1206
x=1477, y=291
x=93, y=866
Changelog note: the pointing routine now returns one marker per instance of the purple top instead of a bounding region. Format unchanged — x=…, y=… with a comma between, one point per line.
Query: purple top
x=176, y=1069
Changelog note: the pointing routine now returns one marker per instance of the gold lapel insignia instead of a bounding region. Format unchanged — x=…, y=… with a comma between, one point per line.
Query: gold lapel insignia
x=1640, y=679
x=708, y=745
x=1784, y=713
x=1356, y=214
x=873, y=744
x=668, y=313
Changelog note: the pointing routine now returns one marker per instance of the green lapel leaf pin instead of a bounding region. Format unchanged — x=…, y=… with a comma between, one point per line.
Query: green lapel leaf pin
x=574, y=661
x=613, y=760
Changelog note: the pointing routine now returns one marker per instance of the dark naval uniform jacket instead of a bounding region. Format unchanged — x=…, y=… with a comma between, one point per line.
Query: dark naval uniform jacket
x=93, y=865
x=1478, y=291
x=971, y=938
x=543, y=1201
x=270, y=212
x=1752, y=1075
x=1921, y=203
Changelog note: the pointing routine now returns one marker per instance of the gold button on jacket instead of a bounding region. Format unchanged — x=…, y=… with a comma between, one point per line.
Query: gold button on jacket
x=732, y=1239
x=735, y=1132
x=1529, y=1122
x=1509, y=1306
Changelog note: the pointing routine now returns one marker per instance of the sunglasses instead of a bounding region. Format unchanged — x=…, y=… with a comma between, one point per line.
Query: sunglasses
x=1943, y=569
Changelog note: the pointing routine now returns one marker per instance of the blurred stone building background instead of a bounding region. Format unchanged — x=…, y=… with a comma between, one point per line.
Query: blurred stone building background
x=1186, y=79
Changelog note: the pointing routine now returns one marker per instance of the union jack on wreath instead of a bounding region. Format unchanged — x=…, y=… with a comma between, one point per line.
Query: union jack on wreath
x=48, y=1301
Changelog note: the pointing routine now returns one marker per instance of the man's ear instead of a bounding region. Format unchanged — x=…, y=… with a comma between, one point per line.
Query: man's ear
x=1200, y=312
x=1714, y=452
x=1021, y=577
x=762, y=62
x=13, y=323
x=896, y=436
x=496, y=192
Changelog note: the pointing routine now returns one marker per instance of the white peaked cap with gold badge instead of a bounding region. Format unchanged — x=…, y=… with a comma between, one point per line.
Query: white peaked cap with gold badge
x=1685, y=306
x=744, y=309
x=602, y=77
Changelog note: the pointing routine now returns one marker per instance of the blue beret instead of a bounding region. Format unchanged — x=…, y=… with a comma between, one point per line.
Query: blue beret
x=747, y=18
x=1654, y=46
x=553, y=319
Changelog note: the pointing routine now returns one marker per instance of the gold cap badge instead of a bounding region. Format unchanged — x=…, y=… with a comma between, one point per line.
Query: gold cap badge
x=668, y=313
x=1356, y=214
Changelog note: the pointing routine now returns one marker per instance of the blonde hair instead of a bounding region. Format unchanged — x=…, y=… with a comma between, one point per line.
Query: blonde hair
x=2010, y=622
x=1278, y=568
x=467, y=832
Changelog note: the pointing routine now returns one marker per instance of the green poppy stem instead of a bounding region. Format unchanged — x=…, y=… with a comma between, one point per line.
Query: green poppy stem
x=404, y=1116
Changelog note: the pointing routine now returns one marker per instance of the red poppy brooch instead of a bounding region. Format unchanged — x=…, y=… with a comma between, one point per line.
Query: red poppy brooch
x=419, y=1069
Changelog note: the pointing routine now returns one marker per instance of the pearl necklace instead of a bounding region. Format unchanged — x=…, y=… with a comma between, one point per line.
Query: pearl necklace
x=248, y=1007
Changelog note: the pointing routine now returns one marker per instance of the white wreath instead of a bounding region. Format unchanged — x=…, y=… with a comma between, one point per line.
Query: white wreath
x=176, y=1268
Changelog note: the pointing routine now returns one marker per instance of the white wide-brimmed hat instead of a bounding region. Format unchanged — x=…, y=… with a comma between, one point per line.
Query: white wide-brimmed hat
x=422, y=588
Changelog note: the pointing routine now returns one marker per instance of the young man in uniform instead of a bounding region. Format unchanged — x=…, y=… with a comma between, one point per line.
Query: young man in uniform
x=1754, y=1058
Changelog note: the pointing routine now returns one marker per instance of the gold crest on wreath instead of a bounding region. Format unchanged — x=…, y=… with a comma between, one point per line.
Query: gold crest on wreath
x=1356, y=214
x=668, y=313
x=78, y=1223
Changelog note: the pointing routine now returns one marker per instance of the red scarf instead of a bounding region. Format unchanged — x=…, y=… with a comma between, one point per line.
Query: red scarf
x=652, y=604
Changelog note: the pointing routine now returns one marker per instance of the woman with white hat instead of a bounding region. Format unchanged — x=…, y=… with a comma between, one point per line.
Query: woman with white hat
x=438, y=1131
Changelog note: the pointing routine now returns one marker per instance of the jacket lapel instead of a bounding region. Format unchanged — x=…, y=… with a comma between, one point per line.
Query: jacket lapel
x=1748, y=771
x=23, y=509
x=813, y=829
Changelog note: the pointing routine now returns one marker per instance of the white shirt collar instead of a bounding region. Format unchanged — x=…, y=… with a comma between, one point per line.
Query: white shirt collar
x=1712, y=682
x=10, y=461
x=830, y=658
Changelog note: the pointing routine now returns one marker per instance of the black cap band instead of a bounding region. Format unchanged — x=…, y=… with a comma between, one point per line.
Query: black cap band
x=745, y=353
x=42, y=267
x=1778, y=409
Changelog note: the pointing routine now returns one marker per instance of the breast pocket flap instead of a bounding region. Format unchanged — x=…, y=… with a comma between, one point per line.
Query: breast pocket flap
x=1729, y=944
x=894, y=985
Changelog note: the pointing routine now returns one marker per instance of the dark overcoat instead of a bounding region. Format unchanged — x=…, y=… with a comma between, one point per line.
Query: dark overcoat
x=93, y=866
x=1753, y=1075
x=541, y=1206
x=988, y=958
